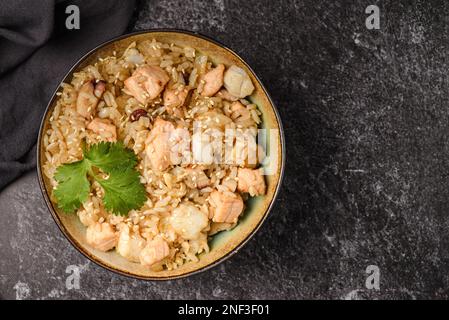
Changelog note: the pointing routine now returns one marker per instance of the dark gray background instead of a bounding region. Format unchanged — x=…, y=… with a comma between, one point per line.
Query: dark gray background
x=366, y=116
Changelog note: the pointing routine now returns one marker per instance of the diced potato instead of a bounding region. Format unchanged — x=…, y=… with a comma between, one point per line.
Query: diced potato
x=188, y=221
x=237, y=82
x=130, y=244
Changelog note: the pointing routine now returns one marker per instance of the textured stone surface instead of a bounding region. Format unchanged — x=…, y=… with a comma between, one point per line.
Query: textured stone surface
x=366, y=122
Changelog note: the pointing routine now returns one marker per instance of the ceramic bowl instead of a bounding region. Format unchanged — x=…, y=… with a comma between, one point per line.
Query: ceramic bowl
x=222, y=245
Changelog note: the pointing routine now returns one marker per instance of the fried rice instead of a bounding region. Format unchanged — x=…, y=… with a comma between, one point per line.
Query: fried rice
x=187, y=202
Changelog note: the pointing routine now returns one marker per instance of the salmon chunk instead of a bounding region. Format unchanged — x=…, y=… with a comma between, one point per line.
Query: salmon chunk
x=104, y=128
x=158, y=144
x=224, y=94
x=174, y=98
x=251, y=181
x=238, y=110
x=227, y=207
x=196, y=178
x=213, y=81
x=146, y=83
x=101, y=236
x=88, y=97
x=155, y=251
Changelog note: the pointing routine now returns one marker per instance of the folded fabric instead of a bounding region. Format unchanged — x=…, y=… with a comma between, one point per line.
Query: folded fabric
x=36, y=50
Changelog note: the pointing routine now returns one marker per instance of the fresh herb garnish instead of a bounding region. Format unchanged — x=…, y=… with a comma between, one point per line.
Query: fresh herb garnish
x=122, y=188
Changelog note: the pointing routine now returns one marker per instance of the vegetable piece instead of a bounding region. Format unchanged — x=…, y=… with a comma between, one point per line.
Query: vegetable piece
x=237, y=82
x=130, y=244
x=122, y=188
x=188, y=221
x=122, y=191
x=73, y=186
x=110, y=156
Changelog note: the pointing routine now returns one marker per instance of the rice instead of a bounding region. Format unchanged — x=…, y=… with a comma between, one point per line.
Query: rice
x=166, y=190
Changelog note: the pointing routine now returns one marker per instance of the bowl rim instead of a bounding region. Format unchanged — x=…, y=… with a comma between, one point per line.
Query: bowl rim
x=49, y=204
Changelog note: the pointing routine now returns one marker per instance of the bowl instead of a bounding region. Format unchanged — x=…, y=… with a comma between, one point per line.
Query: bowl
x=222, y=245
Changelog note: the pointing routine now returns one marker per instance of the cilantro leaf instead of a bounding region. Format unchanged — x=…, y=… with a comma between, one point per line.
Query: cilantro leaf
x=73, y=186
x=110, y=156
x=123, y=191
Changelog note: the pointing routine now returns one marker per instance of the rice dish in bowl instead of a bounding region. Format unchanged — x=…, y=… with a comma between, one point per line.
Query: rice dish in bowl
x=191, y=124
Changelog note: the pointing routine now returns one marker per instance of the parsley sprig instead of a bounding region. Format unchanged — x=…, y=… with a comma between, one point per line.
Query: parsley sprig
x=122, y=188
